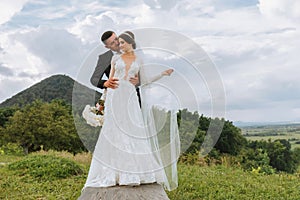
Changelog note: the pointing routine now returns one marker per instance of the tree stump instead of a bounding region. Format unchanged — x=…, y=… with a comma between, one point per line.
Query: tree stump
x=141, y=192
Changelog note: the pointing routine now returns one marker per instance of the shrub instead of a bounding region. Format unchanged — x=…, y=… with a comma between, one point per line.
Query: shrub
x=11, y=149
x=281, y=156
x=213, y=158
x=256, y=160
x=192, y=159
x=46, y=167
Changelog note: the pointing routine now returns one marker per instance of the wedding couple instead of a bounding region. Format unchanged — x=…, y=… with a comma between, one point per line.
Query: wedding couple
x=128, y=151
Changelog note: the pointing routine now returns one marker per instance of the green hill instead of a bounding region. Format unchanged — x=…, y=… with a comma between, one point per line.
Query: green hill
x=54, y=87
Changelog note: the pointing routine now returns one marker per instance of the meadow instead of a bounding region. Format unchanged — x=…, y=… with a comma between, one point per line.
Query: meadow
x=196, y=181
x=290, y=132
x=235, y=169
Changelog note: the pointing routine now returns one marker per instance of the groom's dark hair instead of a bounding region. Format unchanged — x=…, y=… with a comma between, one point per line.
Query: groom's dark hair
x=106, y=35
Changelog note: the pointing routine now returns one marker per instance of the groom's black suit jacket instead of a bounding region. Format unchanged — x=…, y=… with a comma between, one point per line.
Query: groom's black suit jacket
x=103, y=67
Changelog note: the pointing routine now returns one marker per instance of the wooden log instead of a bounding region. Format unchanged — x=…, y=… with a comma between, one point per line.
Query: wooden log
x=141, y=192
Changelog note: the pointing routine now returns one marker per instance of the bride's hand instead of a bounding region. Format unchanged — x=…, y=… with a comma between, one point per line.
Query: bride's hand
x=167, y=72
x=134, y=80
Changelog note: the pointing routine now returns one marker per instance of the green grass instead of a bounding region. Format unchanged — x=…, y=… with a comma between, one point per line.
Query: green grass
x=195, y=182
x=15, y=187
x=9, y=158
x=220, y=182
x=45, y=167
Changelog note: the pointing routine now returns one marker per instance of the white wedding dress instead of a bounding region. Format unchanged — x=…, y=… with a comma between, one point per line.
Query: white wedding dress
x=124, y=154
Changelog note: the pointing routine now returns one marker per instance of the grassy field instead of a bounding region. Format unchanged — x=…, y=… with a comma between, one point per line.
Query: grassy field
x=195, y=182
x=290, y=132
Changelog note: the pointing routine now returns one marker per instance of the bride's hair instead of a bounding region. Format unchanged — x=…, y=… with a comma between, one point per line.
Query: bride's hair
x=128, y=36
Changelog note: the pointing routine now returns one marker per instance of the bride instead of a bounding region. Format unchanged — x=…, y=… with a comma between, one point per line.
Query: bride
x=128, y=150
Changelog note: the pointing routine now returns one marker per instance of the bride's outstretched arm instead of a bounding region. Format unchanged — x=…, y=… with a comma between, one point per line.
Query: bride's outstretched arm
x=145, y=79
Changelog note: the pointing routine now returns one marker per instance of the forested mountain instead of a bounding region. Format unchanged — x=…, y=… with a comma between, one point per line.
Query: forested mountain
x=54, y=87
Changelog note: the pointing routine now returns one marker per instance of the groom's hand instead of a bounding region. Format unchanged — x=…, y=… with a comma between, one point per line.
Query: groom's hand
x=134, y=80
x=111, y=83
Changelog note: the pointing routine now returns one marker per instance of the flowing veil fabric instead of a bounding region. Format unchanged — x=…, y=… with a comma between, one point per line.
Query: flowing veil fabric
x=161, y=121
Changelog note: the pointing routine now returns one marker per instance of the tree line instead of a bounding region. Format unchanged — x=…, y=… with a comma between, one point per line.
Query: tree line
x=51, y=125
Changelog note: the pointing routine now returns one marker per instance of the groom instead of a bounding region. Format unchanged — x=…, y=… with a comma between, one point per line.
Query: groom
x=111, y=42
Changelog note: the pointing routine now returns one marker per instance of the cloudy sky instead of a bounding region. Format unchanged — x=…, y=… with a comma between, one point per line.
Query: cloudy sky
x=253, y=43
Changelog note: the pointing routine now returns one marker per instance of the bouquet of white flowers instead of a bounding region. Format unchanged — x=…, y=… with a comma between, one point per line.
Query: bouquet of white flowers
x=94, y=115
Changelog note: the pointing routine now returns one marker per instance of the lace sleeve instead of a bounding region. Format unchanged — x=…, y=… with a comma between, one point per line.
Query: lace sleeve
x=113, y=63
x=114, y=60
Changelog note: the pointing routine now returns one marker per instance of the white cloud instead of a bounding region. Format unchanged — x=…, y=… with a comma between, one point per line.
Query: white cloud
x=12, y=85
x=256, y=57
x=51, y=13
x=266, y=114
x=89, y=28
x=279, y=8
x=161, y=4
x=253, y=45
x=20, y=68
x=36, y=53
x=60, y=51
x=17, y=57
x=10, y=8
x=5, y=71
x=160, y=18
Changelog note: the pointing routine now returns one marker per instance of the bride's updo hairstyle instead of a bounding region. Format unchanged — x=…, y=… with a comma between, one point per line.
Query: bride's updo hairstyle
x=128, y=36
